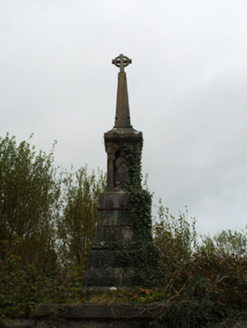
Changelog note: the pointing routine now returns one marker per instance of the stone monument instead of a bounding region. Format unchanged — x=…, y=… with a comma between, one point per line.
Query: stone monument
x=115, y=226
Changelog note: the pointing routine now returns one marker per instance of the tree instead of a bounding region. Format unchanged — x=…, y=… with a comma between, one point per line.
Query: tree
x=76, y=227
x=176, y=239
x=227, y=242
x=29, y=200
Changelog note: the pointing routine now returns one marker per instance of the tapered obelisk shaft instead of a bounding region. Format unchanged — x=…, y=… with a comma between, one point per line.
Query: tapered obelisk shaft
x=122, y=118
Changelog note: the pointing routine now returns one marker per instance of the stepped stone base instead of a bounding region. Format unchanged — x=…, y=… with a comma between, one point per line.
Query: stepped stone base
x=99, y=316
x=96, y=316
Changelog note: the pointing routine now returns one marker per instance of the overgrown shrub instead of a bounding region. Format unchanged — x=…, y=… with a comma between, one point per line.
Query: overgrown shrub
x=205, y=282
x=47, y=224
x=76, y=227
x=24, y=287
x=29, y=194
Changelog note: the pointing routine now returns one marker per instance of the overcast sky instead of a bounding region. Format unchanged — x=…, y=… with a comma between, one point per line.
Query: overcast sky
x=187, y=92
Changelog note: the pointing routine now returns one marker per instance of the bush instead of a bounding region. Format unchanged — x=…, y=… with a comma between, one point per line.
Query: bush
x=24, y=287
x=205, y=283
x=47, y=224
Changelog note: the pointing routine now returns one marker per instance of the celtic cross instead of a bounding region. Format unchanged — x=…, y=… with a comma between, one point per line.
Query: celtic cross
x=121, y=61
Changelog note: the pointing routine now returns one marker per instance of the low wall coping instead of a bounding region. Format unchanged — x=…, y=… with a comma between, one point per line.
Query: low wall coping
x=92, y=311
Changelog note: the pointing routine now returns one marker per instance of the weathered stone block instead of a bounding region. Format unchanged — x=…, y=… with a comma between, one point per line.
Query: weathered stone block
x=18, y=324
x=102, y=258
x=101, y=277
x=113, y=199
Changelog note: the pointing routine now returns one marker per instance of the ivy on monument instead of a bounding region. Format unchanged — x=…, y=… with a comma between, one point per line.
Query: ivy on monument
x=140, y=255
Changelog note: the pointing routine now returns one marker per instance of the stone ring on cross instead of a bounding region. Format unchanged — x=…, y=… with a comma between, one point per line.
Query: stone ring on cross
x=121, y=61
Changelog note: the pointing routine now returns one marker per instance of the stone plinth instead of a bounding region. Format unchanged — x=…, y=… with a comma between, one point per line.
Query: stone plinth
x=114, y=226
x=97, y=316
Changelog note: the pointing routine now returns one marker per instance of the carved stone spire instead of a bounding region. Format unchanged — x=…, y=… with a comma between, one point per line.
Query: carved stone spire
x=122, y=119
x=122, y=133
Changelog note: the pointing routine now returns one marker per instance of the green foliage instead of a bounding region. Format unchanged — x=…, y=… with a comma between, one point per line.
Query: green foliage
x=76, y=228
x=44, y=219
x=226, y=243
x=175, y=238
x=140, y=254
x=24, y=287
x=29, y=194
x=204, y=283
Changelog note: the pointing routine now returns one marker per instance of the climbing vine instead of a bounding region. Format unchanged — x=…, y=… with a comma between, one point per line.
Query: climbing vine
x=140, y=254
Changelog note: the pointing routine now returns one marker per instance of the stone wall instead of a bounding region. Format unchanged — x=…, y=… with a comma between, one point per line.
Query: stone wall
x=90, y=315
x=98, y=316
